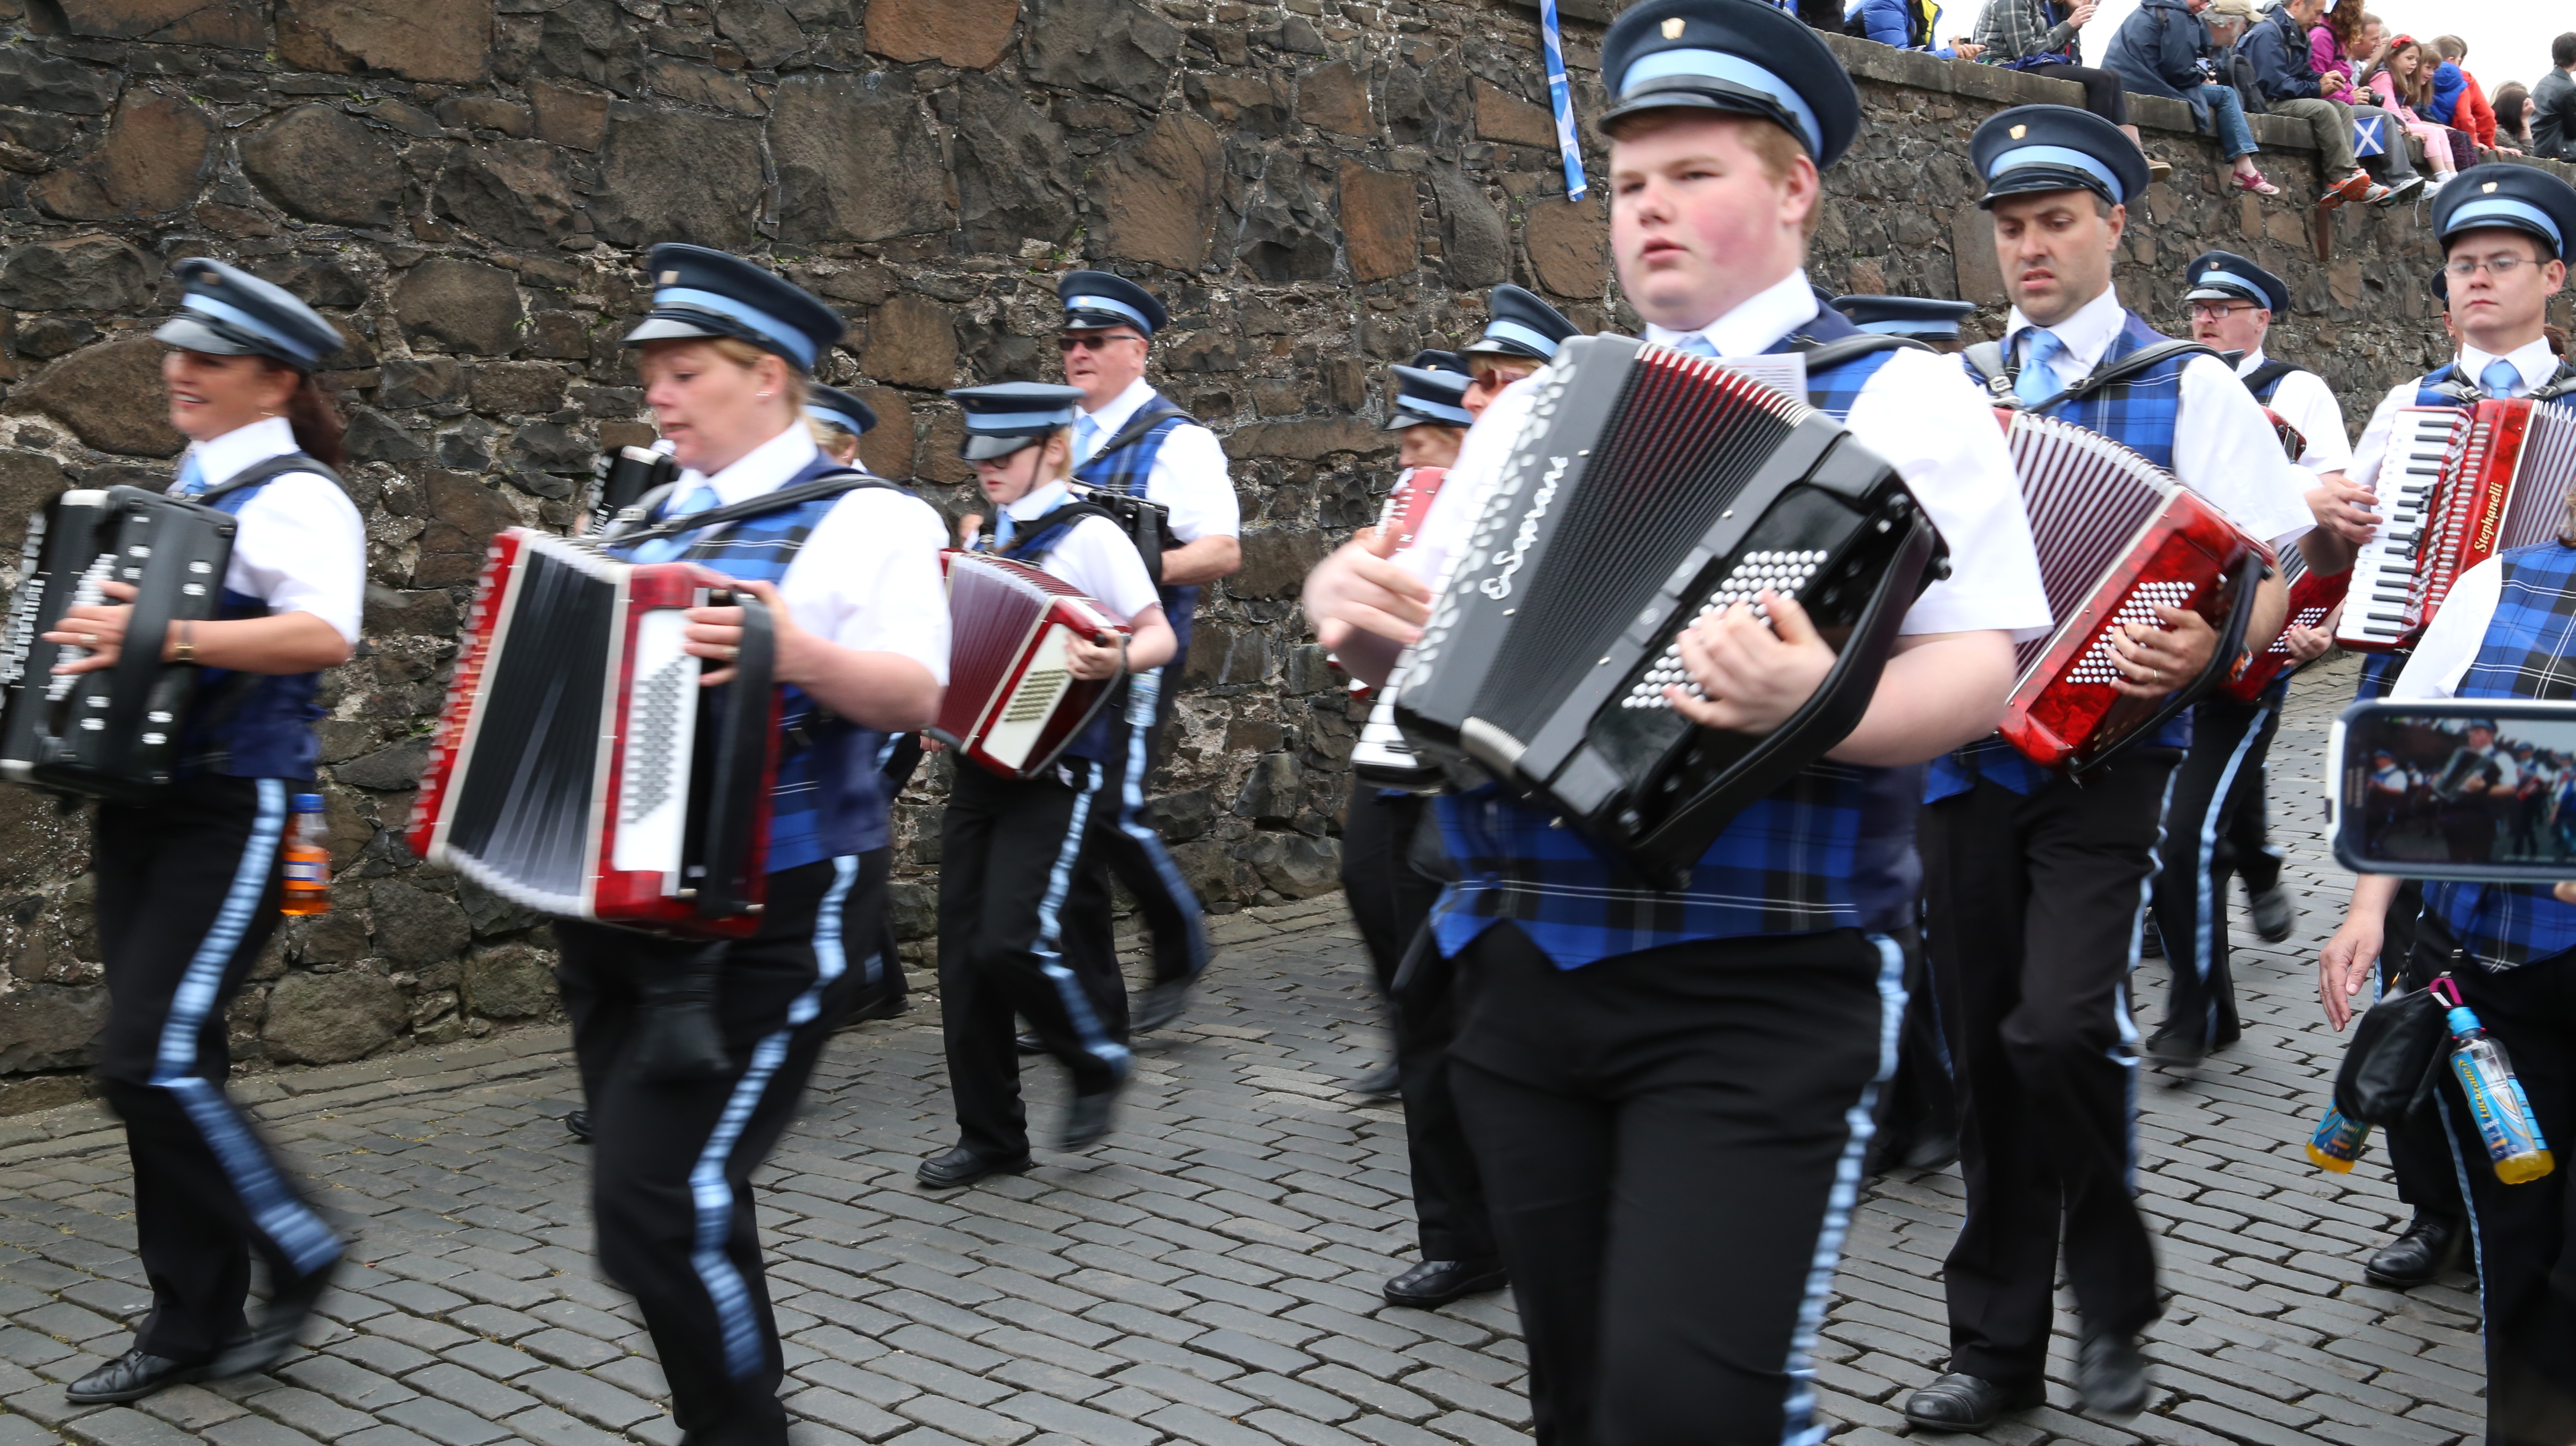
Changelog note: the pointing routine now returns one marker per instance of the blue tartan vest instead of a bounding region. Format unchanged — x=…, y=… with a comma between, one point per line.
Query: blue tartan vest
x=268, y=732
x=830, y=799
x=2529, y=652
x=1127, y=469
x=1792, y=863
x=2139, y=413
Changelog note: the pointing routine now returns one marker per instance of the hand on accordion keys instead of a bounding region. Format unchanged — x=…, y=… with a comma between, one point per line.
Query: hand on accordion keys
x=2344, y=508
x=97, y=627
x=1753, y=675
x=2156, y=661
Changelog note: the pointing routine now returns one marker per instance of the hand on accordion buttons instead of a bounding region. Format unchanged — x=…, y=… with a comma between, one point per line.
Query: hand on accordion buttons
x=716, y=634
x=2156, y=661
x=1755, y=674
x=2306, y=644
x=2344, y=509
x=1092, y=661
x=1356, y=588
x=97, y=627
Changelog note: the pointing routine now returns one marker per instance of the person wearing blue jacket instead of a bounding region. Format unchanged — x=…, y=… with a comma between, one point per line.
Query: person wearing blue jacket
x=2449, y=84
x=2163, y=49
x=1903, y=24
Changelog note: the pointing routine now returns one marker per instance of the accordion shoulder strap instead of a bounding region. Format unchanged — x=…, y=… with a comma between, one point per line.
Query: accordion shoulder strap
x=259, y=472
x=830, y=484
x=1987, y=357
x=1159, y=412
x=2560, y=385
x=2268, y=374
x=1822, y=354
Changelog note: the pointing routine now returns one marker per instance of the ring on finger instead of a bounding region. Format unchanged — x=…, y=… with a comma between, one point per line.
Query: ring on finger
x=89, y=640
x=732, y=652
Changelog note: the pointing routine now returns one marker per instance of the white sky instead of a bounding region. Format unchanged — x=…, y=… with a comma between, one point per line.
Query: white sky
x=2508, y=39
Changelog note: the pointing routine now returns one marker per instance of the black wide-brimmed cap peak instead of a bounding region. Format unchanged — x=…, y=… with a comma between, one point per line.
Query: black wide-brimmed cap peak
x=1733, y=57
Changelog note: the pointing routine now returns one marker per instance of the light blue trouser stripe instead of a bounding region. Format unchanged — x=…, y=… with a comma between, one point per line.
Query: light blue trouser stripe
x=1087, y=1028
x=2204, y=943
x=1798, y=1412
x=2126, y=1056
x=1144, y=693
x=288, y=1222
x=2460, y=1171
x=710, y=1193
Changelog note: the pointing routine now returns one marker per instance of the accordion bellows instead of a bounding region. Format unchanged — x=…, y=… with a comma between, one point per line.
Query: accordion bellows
x=580, y=769
x=1012, y=705
x=2117, y=537
x=2458, y=485
x=1648, y=489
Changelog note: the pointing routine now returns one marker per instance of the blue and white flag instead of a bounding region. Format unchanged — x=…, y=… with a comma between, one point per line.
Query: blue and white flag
x=1561, y=99
x=2369, y=135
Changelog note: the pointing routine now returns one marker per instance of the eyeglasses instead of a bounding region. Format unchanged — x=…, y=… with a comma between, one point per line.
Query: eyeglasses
x=2220, y=310
x=2498, y=267
x=1089, y=342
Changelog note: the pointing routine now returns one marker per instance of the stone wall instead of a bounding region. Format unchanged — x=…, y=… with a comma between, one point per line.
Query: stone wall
x=1317, y=187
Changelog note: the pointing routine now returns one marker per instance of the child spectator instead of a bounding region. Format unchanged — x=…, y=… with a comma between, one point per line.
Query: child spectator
x=2039, y=36
x=2272, y=73
x=2472, y=114
x=2403, y=88
x=2163, y=49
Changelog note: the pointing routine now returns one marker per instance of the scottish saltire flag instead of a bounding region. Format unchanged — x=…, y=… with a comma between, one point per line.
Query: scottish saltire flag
x=2370, y=135
x=1561, y=99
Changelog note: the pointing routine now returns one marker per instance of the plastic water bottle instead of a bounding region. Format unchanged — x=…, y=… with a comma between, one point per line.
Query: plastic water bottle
x=2504, y=1116
x=2337, y=1142
x=308, y=859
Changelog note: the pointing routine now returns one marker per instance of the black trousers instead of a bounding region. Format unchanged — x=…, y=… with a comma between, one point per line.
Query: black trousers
x=672, y=1161
x=188, y=889
x=1922, y=1102
x=2526, y=1233
x=2228, y=743
x=2419, y=1154
x=2245, y=837
x=1671, y=1141
x=1010, y=855
x=1124, y=839
x=2033, y=915
x=2103, y=93
x=1391, y=901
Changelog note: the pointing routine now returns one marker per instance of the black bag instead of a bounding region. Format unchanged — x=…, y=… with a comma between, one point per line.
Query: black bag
x=2395, y=1054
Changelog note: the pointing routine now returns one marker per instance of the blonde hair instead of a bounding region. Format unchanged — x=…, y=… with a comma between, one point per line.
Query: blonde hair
x=746, y=356
x=833, y=440
x=1773, y=146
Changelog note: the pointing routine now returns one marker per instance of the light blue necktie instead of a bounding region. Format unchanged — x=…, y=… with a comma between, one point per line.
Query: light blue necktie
x=2038, y=379
x=1085, y=432
x=192, y=478
x=667, y=549
x=1696, y=344
x=2501, y=378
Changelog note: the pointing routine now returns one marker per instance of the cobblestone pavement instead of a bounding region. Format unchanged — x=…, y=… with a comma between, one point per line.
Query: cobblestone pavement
x=1209, y=1276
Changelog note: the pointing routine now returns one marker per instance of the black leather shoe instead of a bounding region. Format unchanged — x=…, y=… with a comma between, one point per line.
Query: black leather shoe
x=1087, y=1121
x=883, y=1006
x=270, y=1340
x=962, y=1166
x=2416, y=1257
x=2111, y=1375
x=578, y=1123
x=131, y=1377
x=1969, y=1403
x=1379, y=1083
x=1931, y=1151
x=1438, y=1282
x=2175, y=1050
x=2151, y=945
x=1030, y=1044
x=1159, y=1005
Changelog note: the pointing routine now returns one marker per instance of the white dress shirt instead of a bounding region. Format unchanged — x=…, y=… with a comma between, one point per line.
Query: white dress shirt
x=868, y=575
x=2305, y=401
x=1095, y=555
x=1189, y=475
x=1919, y=411
x=2224, y=448
x=300, y=546
x=2535, y=362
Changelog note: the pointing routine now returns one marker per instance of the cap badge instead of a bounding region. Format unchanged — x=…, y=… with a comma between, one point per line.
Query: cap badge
x=2488, y=189
x=2019, y=131
x=670, y=278
x=1673, y=28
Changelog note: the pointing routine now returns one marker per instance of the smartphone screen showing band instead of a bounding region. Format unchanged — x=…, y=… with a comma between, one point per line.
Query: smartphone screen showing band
x=2460, y=790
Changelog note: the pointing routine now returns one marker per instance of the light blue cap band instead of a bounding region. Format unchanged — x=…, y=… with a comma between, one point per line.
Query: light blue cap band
x=226, y=312
x=1090, y=301
x=1017, y=421
x=2019, y=157
x=1434, y=411
x=797, y=343
x=1734, y=70
x=2491, y=209
x=1911, y=328
x=830, y=418
x=1525, y=335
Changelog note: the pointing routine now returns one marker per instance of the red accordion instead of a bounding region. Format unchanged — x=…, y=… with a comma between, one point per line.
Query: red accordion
x=2117, y=536
x=1012, y=703
x=2461, y=485
x=580, y=769
x=1409, y=504
x=2294, y=443
x=2312, y=598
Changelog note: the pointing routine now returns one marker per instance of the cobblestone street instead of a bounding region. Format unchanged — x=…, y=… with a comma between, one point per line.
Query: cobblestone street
x=1209, y=1276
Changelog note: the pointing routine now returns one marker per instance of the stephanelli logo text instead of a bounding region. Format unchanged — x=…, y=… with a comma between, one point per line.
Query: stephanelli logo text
x=1500, y=584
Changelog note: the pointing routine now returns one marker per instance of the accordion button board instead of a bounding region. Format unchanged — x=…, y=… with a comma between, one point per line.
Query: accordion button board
x=1013, y=705
x=2312, y=600
x=1646, y=489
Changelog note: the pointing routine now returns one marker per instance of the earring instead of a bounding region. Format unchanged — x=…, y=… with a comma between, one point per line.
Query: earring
x=765, y=396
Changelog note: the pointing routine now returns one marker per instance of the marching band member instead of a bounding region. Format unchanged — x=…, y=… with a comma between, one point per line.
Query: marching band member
x=2033, y=885
x=839, y=421
x=1131, y=438
x=1918, y=318
x=2511, y=949
x=851, y=581
x=189, y=883
x=1012, y=850
x=1521, y=335
x=2502, y=212
x=1669, y=1093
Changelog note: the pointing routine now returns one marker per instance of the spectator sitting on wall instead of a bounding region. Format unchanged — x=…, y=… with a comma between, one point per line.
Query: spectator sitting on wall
x=2039, y=36
x=2274, y=74
x=1904, y=24
x=2513, y=117
x=2163, y=49
x=2553, y=103
x=2473, y=114
x=2404, y=88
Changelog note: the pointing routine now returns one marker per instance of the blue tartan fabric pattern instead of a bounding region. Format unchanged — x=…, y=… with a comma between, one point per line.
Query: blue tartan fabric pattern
x=1786, y=865
x=2140, y=414
x=2529, y=652
x=270, y=734
x=2379, y=673
x=829, y=800
x=1127, y=469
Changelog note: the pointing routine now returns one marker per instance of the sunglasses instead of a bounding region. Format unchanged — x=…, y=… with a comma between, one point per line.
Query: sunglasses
x=1089, y=342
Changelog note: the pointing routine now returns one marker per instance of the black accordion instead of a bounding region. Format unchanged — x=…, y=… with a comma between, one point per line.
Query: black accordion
x=1646, y=490
x=114, y=733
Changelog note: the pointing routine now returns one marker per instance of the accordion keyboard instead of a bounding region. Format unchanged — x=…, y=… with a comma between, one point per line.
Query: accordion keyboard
x=1781, y=572
x=2421, y=443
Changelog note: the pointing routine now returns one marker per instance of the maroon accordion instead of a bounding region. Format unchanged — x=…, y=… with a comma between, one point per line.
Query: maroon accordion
x=2117, y=536
x=1012, y=702
x=2312, y=599
x=2459, y=484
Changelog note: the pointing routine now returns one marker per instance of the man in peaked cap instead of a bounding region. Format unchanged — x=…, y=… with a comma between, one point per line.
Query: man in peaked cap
x=1605, y=1009
x=1521, y=335
x=1131, y=438
x=2032, y=884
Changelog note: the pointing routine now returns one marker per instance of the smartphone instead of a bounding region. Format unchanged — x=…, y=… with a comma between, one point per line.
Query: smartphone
x=2475, y=789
